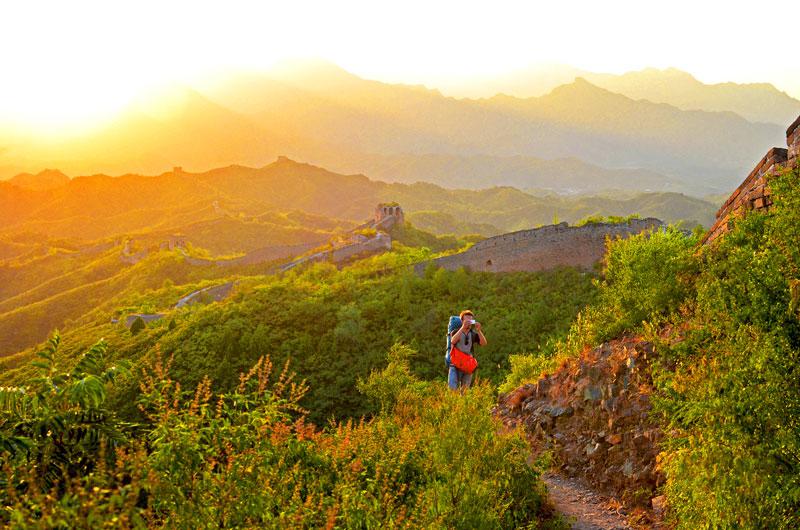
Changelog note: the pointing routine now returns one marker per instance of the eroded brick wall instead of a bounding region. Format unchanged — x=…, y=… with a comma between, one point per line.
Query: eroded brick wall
x=542, y=248
x=793, y=141
x=754, y=193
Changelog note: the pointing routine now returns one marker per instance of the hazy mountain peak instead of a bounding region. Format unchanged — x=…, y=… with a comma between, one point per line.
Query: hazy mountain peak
x=283, y=160
x=670, y=71
x=580, y=87
x=44, y=180
x=310, y=69
x=758, y=102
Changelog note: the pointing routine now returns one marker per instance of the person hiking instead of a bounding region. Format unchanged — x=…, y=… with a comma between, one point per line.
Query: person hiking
x=462, y=336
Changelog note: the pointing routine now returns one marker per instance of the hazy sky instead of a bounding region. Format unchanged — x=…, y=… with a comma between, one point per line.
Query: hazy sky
x=72, y=60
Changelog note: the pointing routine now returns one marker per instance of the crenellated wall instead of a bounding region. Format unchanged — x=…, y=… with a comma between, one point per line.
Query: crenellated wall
x=542, y=248
x=754, y=193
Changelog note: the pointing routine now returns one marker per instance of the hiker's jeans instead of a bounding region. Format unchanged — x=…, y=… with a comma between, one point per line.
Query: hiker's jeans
x=456, y=378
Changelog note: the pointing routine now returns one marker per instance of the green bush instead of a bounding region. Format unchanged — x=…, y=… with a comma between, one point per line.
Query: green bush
x=56, y=427
x=137, y=325
x=611, y=219
x=526, y=368
x=730, y=393
x=247, y=458
x=646, y=277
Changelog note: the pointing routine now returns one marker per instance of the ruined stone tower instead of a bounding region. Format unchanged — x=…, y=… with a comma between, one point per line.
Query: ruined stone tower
x=388, y=214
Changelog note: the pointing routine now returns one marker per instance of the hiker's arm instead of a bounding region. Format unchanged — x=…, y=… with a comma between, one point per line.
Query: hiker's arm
x=457, y=334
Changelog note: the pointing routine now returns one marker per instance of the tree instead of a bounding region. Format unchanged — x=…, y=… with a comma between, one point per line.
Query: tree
x=137, y=326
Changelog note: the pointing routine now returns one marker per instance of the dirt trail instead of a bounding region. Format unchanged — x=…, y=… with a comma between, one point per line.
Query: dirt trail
x=582, y=506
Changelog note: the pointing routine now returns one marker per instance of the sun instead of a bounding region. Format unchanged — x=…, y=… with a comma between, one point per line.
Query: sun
x=53, y=106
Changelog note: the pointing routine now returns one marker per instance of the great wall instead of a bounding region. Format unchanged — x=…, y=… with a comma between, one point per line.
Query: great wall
x=530, y=250
x=754, y=193
x=349, y=246
x=356, y=244
x=542, y=248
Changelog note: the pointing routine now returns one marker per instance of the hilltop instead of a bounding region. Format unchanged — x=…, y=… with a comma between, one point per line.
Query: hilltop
x=44, y=180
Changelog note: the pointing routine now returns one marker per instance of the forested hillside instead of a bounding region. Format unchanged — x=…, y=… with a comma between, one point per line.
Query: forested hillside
x=253, y=199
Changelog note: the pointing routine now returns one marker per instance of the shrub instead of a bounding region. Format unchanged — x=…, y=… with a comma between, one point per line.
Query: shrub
x=247, y=458
x=730, y=395
x=55, y=427
x=647, y=277
x=137, y=325
x=526, y=368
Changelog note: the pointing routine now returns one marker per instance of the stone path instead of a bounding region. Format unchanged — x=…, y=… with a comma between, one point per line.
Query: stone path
x=582, y=506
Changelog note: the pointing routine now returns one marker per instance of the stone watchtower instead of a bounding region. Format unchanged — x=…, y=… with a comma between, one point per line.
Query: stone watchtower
x=388, y=214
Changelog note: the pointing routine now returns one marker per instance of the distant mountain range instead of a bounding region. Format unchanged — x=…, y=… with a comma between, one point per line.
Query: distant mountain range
x=756, y=102
x=578, y=138
x=238, y=208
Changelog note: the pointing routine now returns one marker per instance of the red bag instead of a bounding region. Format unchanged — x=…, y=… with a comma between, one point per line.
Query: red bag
x=463, y=361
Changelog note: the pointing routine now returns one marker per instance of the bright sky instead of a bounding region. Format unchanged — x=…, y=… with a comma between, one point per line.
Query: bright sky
x=72, y=61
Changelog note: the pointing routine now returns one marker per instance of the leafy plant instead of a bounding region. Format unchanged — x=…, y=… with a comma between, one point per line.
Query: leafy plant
x=57, y=426
x=137, y=325
x=247, y=458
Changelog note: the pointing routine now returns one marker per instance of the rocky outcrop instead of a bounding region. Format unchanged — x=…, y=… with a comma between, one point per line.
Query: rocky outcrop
x=542, y=248
x=594, y=413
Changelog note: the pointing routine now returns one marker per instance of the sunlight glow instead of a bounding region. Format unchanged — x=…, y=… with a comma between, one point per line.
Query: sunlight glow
x=80, y=62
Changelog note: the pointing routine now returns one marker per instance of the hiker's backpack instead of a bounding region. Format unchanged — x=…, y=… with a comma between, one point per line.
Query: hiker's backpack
x=452, y=325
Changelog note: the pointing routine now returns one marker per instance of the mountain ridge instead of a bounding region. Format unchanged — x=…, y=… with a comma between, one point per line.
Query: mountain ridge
x=336, y=116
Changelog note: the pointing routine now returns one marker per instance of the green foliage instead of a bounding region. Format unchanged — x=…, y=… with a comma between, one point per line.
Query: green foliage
x=647, y=277
x=336, y=325
x=609, y=219
x=730, y=394
x=386, y=386
x=368, y=232
x=246, y=458
x=526, y=368
x=137, y=325
x=55, y=427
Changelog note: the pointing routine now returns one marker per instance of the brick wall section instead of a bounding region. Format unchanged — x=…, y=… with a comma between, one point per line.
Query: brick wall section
x=793, y=141
x=215, y=293
x=753, y=193
x=380, y=243
x=542, y=248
